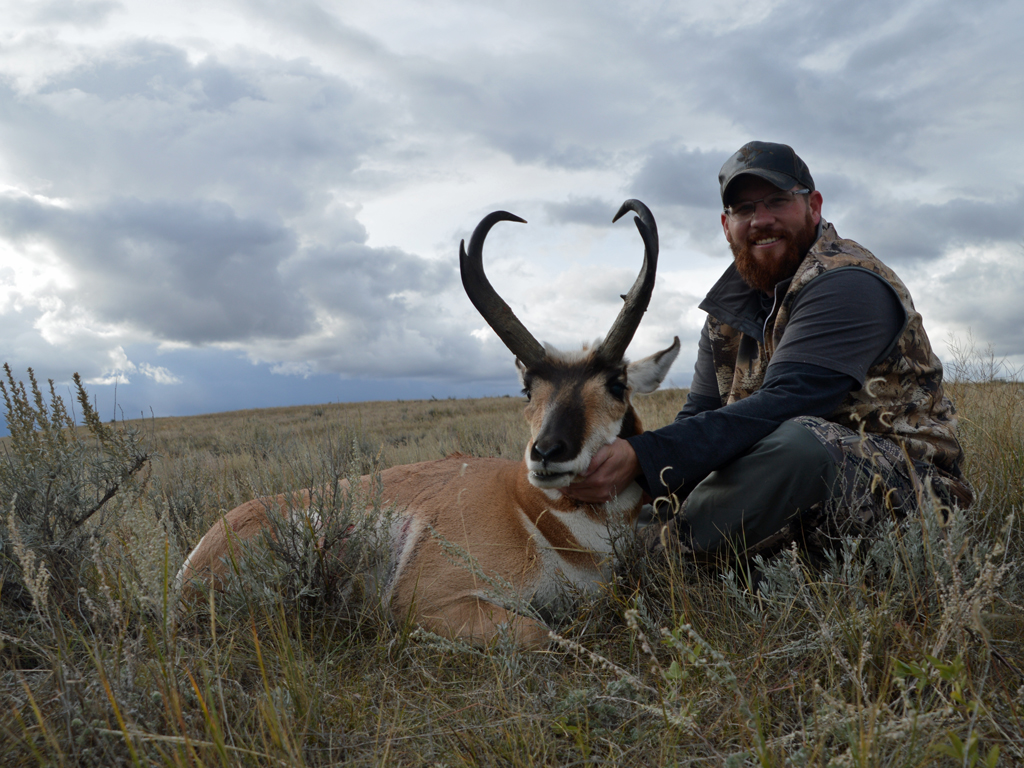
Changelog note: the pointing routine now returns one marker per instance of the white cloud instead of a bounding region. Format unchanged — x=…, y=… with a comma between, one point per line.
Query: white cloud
x=158, y=373
x=976, y=292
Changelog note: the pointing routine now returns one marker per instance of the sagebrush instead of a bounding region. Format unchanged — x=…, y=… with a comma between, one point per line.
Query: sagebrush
x=900, y=651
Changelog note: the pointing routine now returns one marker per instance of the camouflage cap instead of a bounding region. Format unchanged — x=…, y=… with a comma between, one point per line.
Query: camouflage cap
x=775, y=163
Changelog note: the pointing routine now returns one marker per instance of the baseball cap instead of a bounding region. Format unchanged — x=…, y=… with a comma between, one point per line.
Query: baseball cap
x=775, y=163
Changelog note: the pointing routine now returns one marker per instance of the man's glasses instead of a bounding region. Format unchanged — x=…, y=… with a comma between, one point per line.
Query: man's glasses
x=776, y=202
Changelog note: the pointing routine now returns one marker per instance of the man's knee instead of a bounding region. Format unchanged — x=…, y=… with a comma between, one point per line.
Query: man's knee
x=798, y=440
x=790, y=454
x=756, y=495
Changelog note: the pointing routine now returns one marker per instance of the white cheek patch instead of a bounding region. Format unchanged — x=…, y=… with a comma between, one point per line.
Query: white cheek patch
x=603, y=436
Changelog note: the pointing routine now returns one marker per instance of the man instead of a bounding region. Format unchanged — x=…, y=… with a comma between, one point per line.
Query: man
x=816, y=405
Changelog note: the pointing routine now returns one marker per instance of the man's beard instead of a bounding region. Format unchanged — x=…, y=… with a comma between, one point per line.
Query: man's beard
x=764, y=277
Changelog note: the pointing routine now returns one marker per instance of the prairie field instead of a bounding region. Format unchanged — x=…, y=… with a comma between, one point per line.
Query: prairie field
x=904, y=651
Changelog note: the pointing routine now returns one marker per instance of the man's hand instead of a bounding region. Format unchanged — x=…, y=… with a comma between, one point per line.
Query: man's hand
x=611, y=471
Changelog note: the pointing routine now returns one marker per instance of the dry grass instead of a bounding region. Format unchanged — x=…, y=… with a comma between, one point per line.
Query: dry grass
x=908, y=656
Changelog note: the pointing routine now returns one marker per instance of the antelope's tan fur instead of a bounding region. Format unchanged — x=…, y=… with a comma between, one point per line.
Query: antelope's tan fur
x=507, y=516
x=533, y=538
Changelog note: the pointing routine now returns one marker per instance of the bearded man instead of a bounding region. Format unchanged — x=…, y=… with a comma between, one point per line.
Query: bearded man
x=816, y=406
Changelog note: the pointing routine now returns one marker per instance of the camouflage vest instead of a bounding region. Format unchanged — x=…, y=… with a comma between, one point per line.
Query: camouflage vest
x=902, y=397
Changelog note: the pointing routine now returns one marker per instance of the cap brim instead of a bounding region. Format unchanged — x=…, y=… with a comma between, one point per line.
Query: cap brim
x=781, y=180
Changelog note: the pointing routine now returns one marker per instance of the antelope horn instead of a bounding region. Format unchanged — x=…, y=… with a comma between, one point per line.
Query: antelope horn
x=614, y=346
x=487, y=301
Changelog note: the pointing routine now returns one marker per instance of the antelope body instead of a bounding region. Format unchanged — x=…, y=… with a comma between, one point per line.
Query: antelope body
x=506, y=516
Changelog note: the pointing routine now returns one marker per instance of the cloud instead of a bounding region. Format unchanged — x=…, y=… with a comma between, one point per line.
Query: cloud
x=121, y=370
x=906, y=231
x=367, y=285
x=186, y=272
x=680, y=176
x=143, y=70
x=141, y=120
x=982, y=293
x=681, y=187
x=590, y=211
x=57, y=341
x=195, y=274
x=77, y=13
x=158, y=374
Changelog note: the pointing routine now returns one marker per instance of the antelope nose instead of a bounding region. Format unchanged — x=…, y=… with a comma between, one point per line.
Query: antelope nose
x=554, y=450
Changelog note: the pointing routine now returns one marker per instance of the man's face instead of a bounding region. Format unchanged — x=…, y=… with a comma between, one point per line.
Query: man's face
x=770, y=246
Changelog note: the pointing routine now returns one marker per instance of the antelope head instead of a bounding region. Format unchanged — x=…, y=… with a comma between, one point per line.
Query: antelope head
x=581, y=400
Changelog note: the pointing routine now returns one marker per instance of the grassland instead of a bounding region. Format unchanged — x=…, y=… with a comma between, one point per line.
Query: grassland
x=907, y=653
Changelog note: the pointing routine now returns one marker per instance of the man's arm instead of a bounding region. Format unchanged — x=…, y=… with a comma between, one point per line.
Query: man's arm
x=680, y=455
x=683, y=453
x=863, y=318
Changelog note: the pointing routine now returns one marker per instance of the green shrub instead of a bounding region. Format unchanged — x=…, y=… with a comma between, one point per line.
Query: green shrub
x=57, y=482
x=321, y=560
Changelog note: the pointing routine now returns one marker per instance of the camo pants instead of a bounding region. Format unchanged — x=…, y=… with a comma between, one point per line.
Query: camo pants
x=876, y=481
x=868, y=479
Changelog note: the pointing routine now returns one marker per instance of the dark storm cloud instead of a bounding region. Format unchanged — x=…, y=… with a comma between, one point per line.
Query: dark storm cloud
x=369, y=287
x=200, y=273
x=906, y=231
x=205, y=213
x=190, y=272
x=680, y=177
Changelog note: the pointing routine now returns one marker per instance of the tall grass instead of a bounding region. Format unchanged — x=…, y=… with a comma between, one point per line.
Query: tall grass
x=905, y=652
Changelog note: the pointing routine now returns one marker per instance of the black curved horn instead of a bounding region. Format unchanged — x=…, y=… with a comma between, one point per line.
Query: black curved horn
x=614, y=346
x=487, y=301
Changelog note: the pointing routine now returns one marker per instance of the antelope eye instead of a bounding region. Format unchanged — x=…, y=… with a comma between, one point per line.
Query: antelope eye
x=617, y=388
x=526, y=391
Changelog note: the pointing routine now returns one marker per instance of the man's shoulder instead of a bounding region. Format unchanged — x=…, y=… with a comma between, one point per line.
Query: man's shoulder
x=833, y=255
x=830, y=252
x=831, y=246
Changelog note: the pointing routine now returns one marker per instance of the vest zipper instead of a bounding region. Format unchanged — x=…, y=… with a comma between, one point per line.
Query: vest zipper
x=775, y=303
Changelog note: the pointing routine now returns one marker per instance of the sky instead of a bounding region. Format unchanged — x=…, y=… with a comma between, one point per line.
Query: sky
x=227, y=204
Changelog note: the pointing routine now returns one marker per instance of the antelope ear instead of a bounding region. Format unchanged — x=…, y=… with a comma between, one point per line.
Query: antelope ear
x=522, y=371
x=646, y=375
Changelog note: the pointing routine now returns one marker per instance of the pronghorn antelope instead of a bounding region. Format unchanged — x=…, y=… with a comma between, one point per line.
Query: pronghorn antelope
x=508, y=516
